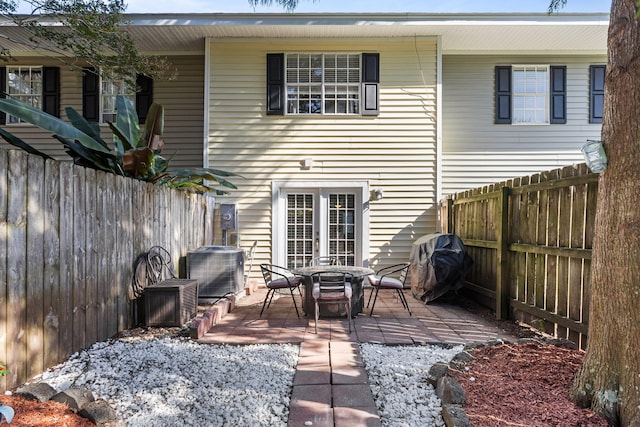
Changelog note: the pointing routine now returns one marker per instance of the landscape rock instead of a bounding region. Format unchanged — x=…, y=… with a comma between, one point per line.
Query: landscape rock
x=437, y=371
x=450, y=391
x=74, y=397
x=100, y=413
x=36, y=391
x=454, y=416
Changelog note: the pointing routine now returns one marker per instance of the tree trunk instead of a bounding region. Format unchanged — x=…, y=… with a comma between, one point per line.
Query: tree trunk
x=609, y=380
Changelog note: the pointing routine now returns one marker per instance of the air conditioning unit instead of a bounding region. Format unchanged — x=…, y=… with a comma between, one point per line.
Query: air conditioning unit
x=171, y=302
x=219, y=270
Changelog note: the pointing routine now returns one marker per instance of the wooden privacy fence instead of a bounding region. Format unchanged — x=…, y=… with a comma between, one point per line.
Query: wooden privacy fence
x=69, y=237
x=531, y=239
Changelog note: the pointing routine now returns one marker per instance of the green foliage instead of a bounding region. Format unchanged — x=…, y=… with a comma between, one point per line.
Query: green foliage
x=288, y=5
x=137, y=153
x=91, y=33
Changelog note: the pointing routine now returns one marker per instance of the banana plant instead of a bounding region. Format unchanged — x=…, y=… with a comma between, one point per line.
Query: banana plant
x=136, y=152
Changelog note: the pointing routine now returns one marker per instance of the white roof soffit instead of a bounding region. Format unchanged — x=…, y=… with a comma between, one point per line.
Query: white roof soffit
x=461, y=33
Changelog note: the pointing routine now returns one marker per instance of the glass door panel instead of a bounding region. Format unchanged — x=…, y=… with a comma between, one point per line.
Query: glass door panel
x=300, y=227
x=342, y=214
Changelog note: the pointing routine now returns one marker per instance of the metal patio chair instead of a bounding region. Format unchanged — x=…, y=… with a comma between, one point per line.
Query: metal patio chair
x=383, y=280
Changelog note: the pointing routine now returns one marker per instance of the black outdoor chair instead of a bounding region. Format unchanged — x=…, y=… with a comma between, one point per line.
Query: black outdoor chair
x=276, y=278
x=383, y=280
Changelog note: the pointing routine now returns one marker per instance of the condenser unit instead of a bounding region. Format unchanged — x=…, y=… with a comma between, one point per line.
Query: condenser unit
x=171, y=302
x=219, y=270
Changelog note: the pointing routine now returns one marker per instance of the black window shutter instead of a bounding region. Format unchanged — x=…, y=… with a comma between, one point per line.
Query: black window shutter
x=144, y=96
x=558, y=95
x=90, y=95
x=51, y=90
x=275, y=84
x=503, y=95
x=3, y=90
x=596, y=93
x=370, y=84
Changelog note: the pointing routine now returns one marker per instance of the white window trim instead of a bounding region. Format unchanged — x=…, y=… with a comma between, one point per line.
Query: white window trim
x=19, y=96
x=547, y=121
x=131, y=94
x=322, y=86
x=278, y=218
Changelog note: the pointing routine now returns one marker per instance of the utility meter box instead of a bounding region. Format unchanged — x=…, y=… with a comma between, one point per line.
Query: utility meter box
x=228, y=217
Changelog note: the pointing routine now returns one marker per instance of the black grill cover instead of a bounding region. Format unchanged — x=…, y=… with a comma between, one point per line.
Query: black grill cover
x=439, y=264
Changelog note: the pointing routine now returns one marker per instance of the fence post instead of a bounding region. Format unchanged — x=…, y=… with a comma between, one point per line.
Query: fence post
x=502, y=270
x=446, y=214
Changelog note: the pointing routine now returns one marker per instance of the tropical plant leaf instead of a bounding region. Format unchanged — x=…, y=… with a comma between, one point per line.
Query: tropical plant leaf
x=204, y=173
x=154, y=128
x=50, y=123
x=17, y=142
x=138, y=163
x=88, y=158
x=90, y=128
x=127, y=123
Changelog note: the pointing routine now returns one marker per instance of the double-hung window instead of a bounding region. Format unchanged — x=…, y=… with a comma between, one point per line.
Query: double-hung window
x=99, y=96
x=530, y=94
x=110, y=89
x=323, y=83
x=24, y=83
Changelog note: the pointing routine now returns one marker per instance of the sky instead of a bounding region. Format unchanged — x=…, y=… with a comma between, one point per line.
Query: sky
x=364, y=6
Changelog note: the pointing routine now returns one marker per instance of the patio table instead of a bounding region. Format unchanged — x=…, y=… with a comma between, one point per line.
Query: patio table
x=357, y=278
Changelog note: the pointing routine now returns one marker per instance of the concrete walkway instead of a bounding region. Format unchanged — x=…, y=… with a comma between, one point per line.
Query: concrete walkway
x=330, y=385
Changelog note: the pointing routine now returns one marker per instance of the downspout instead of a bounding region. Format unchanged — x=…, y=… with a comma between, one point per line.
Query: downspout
x=438, y=131
x=205, y=107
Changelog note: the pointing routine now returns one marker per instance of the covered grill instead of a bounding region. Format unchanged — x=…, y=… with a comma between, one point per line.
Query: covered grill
x=439, y=264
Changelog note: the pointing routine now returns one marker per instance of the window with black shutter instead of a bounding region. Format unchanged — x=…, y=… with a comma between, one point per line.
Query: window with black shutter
x=596, y=93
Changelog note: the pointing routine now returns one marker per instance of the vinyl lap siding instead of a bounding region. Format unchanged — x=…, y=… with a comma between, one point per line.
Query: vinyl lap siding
x=183, y=100
x=394, y=151
x=477, y=152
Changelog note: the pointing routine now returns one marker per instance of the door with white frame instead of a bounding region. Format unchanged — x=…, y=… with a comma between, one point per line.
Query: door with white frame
x=313, y=219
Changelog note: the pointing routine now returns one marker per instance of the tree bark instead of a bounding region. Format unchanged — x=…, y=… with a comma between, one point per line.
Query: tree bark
x=609, y=380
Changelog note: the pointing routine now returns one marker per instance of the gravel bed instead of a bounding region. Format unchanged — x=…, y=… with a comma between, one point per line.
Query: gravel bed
x=177, y=382
x=398, y=380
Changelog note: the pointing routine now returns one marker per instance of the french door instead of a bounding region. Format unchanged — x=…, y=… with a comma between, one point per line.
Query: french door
x=318, y=221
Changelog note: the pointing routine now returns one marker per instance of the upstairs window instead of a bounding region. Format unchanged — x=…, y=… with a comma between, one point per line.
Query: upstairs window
x=323, y=83
x=24, y=84
x=37, y=86
x=99, y=96
x=110, y=88
x=530, y=94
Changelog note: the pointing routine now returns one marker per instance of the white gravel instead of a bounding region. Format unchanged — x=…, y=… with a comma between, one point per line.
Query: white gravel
x=177, y=382
x=398, y=380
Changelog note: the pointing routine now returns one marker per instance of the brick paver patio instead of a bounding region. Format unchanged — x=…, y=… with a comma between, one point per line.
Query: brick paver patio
x=330, y=385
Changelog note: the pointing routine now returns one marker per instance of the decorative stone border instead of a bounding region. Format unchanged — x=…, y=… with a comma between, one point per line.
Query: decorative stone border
x=78, y=399
x=452, y=394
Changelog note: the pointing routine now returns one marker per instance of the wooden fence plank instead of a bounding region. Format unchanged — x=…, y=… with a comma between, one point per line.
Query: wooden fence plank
x=576, y=265
x=51, y=239
x=3, y=263
x=112, y=287
x=553, y=195
x=564, y=240
x=66, y=261
x=35, y=260
x=90, y=278
x=101, y=257
x=79, y=259
x=17, y=356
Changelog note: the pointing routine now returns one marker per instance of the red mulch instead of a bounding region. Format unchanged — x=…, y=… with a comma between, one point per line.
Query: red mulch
x=523, y=385
x=32, y=413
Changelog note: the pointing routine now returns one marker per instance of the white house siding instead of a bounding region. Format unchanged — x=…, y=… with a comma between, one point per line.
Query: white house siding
x=394, y=151
x=183, y=99
x=477, y=152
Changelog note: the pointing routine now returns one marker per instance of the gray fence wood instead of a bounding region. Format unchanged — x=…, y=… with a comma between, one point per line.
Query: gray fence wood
x=531, y=240
x=68, y=239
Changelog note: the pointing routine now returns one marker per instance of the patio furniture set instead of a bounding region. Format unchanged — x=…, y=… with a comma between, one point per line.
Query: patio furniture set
x=325, y=287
